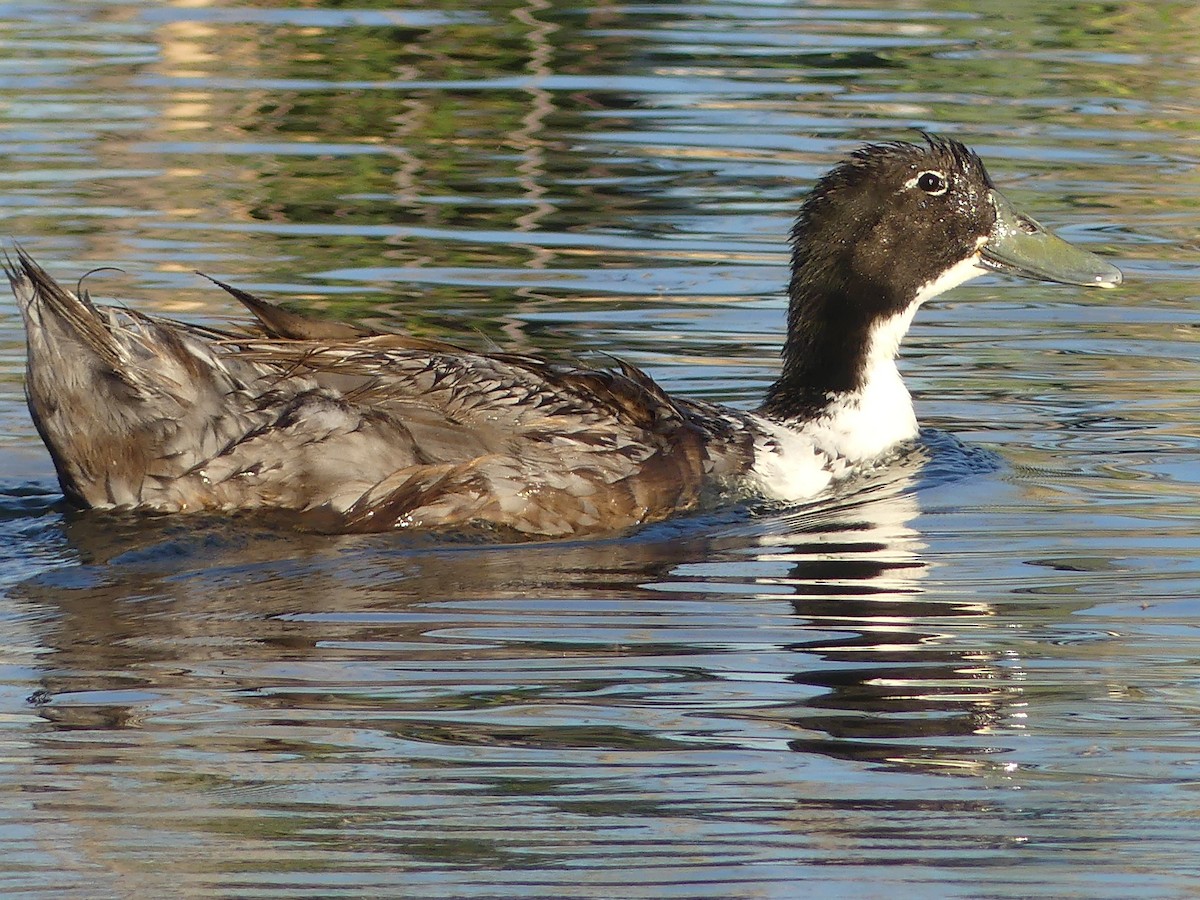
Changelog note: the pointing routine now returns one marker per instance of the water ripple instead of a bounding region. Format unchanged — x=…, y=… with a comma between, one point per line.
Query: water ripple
x=968, y=673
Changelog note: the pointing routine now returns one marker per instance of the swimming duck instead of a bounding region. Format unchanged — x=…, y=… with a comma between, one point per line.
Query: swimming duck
x=342, y=429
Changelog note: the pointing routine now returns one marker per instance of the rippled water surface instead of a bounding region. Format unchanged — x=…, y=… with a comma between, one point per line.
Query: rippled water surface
x=973, y=675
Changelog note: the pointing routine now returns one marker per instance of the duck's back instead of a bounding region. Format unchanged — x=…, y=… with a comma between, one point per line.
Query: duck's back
x=342, y=430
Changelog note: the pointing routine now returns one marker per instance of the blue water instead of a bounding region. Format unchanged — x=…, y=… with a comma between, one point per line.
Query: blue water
x=971, y=674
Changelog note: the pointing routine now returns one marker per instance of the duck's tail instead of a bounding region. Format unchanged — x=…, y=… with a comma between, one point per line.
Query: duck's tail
x=55, y=316
x=119, y=398
x=73, y=362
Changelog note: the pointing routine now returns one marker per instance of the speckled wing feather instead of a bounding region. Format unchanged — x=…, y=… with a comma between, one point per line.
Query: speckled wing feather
x=504, y=439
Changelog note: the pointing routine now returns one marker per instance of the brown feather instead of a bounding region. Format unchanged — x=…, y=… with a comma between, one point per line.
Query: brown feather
x=340, y=429
x=282, y=323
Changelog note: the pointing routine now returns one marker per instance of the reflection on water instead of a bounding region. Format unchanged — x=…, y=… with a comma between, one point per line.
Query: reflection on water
x=149, y=604
x=375, y=712
x=687, y=651
x=969, y=673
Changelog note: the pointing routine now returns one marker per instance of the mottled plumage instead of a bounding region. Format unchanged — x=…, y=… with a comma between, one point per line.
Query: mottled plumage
x=346, y=430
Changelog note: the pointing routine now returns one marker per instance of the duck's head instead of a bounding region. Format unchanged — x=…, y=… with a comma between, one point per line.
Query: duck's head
x=888, y=228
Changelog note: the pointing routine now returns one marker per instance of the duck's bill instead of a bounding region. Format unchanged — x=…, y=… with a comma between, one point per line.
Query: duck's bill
x=1020, y=246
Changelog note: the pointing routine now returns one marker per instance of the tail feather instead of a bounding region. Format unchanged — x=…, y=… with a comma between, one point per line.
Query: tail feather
x=117, y=395
x=281, y=323
x=45, y=304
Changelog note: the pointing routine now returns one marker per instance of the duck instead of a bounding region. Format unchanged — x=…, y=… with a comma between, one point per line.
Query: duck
x=338, y=428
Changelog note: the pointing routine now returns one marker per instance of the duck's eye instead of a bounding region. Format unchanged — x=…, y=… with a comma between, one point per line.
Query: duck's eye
x=932, y=183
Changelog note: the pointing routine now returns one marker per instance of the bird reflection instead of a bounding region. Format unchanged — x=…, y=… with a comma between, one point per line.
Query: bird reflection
x=897, y=676
x=519, y=645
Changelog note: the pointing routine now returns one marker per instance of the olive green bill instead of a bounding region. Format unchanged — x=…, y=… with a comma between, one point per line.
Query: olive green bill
x=1018, y=245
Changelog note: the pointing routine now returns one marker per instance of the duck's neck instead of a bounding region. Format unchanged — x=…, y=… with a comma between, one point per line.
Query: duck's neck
x=842, y=335
x=839, y=361
x=839, y=382
x=844, y=388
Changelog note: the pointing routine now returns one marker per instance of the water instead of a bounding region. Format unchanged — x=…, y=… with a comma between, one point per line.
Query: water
x=971, y=675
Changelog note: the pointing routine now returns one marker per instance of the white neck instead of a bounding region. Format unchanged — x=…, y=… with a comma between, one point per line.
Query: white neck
x=865, y=423
x=869, y=421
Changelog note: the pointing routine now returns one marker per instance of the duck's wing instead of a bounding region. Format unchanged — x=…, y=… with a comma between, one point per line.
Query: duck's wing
x=503, y=439
x=278, y=322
